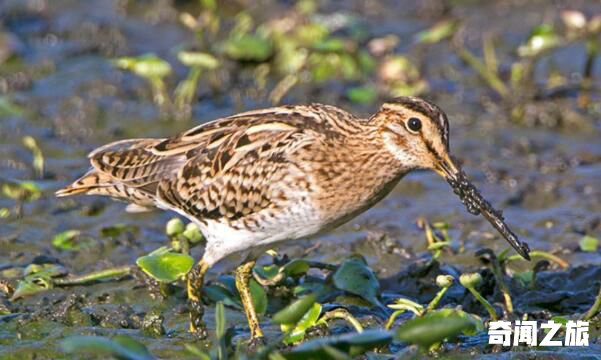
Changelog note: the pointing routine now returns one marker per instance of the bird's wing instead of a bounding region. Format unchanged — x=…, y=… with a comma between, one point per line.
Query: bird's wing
x=241, y=165
x=221, y=169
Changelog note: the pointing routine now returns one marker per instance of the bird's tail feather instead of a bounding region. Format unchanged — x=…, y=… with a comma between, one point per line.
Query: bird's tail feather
x=92, y=180
x=127, y=170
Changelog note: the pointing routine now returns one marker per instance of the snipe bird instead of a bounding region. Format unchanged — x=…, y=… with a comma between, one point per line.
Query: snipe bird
x=261, y=177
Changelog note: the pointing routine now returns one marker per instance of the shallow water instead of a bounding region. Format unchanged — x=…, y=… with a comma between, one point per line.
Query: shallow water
x=546, y=179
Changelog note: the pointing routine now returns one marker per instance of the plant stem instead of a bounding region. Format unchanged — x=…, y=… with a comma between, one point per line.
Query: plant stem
x=282, y=87
x=345, y=315
x=392, y=318
x=496, y=269
x=488, y=76
x=159, y=92
x=595, y=308
x=269, y=282
x=484, y=302
x=546, y=255
x=186, y=89
x=115, y=272
x=320, y=265
x=592, y=48
x=490, y=58
x=436, y=299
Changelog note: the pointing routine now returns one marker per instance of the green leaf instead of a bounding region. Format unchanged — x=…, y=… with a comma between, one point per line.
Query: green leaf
x=224, y=290
x=589, y=244
x=248, y=47
x=52, y=270
x=200, y=59
x=259, y=297
x=22, y=190
x=165, y=266
x=296, y=333
x=290, y=58
x=209, y=4
x=362, y=94
x=329, y=45
x=218, y=293
x=9, y=108
x=525, y=277
x=438, y=32
x=38, y=157
x=194, y=350
x=406, y=89
x=296, y=267
x=541, y=38
x=117, y=229
x=435, y=326
x=31, y=285
x=292, y=313
x=323, y=291
x=366, y=61
x=66, y=240
x=355, y=277
x=146, y=66
x=353, y=344
x=311, y=33
x=267, y=271
x=72, y=240
x=220, y=324
x=121, y=346
x=560, y=319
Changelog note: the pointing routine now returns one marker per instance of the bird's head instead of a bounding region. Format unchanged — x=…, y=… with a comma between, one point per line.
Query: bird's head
x=416, y=133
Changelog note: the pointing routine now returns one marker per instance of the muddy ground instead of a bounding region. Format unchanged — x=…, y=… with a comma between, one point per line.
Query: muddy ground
x=542, y=171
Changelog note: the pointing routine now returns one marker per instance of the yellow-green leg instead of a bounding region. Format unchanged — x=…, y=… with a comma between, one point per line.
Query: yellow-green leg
x=243, y=276
x=195, y=281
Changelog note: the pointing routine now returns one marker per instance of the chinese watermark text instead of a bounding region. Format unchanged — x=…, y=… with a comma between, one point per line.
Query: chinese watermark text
x=526, y=333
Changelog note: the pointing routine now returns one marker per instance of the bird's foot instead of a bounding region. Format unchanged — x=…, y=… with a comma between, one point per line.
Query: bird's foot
x=197, y=325
x=256, y=343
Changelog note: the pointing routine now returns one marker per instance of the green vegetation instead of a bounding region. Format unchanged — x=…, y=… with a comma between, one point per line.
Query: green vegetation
x=75, y=272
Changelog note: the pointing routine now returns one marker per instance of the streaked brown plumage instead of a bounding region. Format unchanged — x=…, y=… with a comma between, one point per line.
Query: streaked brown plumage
x=260, y=177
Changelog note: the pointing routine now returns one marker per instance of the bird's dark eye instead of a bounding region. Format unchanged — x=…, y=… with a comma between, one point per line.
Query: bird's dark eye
x=414, y=124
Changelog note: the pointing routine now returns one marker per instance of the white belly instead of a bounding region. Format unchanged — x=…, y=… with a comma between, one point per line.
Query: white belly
x=300, y=221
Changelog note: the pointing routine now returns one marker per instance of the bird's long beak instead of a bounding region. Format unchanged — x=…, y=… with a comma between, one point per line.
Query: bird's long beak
x=476, y=204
